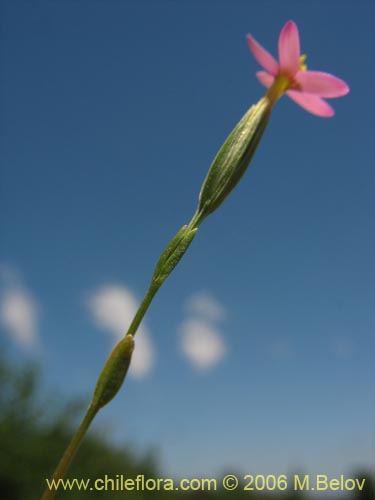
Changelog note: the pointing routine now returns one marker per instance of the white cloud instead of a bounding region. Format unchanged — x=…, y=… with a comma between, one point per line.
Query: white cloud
x=113, y=308
x=203, y=304
x=202, y=343
x=19, y=311
x=143, y=357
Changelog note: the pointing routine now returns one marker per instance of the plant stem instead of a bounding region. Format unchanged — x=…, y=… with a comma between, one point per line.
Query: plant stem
x=225, y=172
x=73, y=446
x=145, y=304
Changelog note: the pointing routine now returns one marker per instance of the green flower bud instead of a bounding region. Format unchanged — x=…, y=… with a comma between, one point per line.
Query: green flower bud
x=113, y=373
x=234, y=157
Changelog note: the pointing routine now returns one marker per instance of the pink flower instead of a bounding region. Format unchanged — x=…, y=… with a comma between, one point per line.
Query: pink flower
x=290, y=75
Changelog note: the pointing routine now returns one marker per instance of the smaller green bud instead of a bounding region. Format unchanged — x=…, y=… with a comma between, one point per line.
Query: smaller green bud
x=113, y=373
x=173, y=253
x=233, y=158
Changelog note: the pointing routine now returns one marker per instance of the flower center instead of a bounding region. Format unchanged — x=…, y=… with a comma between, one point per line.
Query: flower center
x=283, y=82
x=302, y=65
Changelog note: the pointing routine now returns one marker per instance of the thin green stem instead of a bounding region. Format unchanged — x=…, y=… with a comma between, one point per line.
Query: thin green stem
x=145, y=304
x=154, y=287
x=196, y=220
x=74, y=444
x=93, y=410
x=72, y=448
x=225, y=172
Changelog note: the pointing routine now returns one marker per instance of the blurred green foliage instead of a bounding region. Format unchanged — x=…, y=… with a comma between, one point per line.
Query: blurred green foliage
x=34, y=430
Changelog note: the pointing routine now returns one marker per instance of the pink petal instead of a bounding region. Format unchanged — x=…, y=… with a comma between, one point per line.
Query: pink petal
x=311, y=103
x=263, y=57
x=322, y=84
x=265, y=78
x=289, y=49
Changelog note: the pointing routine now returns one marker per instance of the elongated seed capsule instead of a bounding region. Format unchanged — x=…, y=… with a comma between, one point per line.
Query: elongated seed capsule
x=233, y=159
x=112, y=376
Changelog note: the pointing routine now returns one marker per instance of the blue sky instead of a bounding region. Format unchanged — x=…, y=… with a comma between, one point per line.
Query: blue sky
x=111, y=115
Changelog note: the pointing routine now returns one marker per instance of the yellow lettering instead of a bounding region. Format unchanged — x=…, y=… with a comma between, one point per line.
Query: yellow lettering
x=321, y=482
x=304, y=485
x=361, y=484
x=334, y=484
x=129, y=484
